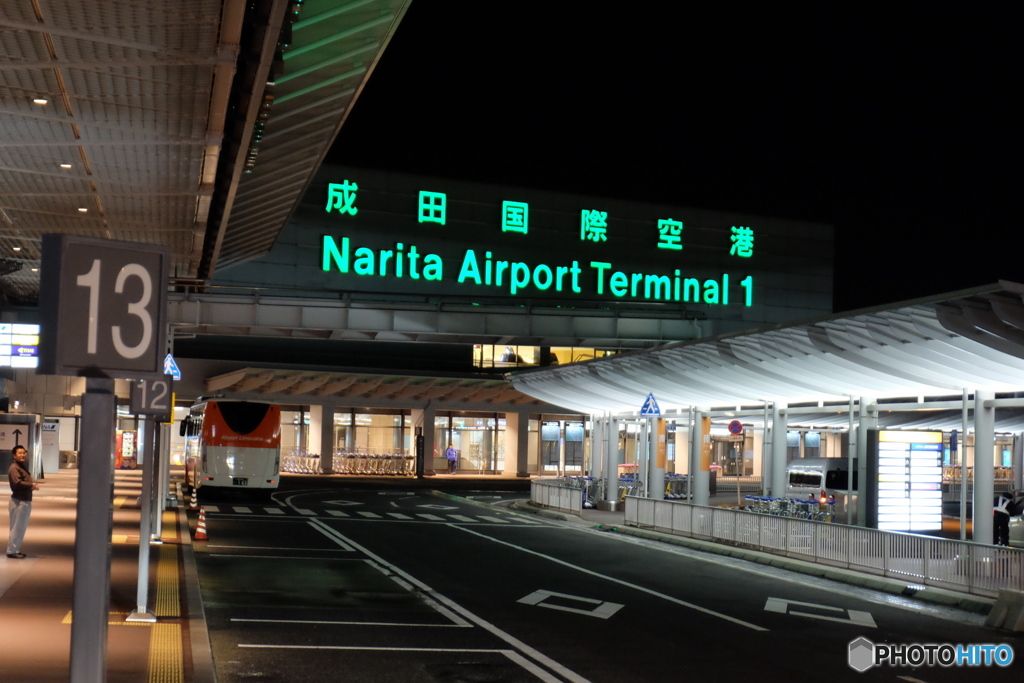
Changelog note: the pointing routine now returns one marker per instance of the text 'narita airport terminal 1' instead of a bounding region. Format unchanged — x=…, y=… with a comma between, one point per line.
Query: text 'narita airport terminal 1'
x=595, y=276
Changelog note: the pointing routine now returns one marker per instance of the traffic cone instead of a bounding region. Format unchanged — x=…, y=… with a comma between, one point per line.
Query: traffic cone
x=194, y=503
x=201, y=526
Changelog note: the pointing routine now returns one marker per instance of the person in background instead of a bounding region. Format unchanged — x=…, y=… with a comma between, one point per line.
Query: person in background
x=20, y=507
x=453, y=459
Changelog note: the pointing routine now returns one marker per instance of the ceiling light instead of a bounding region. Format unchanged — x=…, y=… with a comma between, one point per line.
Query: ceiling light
x=35, y=270
x=82, y=209
x=40, y=100
x=65, y=165
x=16, y=248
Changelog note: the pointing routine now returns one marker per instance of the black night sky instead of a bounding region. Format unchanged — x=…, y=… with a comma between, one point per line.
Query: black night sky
x=894, y=122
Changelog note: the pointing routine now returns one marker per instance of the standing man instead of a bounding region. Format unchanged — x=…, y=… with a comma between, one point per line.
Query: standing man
x=453, y=459
x=20, y=507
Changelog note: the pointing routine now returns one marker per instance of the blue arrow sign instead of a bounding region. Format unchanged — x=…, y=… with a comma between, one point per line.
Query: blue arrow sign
x=171, y=368
x=650, y=408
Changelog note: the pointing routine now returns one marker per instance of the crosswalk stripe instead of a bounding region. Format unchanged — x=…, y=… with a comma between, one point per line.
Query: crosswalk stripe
x=211, y=508
x=398, y=515
x=364, y=513
x=337, y=513
x=242, y=509
x=433, y=518
x=274, y=511
x=462, y=518
x=304, y=511
x=527, y=520
x=494, y=519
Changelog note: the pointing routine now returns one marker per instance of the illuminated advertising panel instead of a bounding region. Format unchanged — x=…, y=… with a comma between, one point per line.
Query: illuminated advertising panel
x=906, y=490
x=19, y=345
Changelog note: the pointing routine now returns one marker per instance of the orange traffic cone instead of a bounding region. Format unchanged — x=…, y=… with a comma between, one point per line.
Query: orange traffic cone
x=194, y=503
x=201, y=526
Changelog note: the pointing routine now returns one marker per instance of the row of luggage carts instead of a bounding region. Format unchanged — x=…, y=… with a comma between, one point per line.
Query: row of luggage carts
x=374, y=464
x=594, y=488
x=795, y=508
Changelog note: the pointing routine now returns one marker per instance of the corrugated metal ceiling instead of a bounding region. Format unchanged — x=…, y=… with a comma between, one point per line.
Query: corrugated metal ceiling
x=151, y=130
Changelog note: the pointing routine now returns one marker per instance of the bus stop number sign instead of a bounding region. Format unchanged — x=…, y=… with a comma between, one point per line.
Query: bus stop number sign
x=103, y=306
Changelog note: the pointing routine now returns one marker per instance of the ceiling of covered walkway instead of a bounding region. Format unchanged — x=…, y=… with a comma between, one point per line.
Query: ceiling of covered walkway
x=932, y=348
x=193, y=124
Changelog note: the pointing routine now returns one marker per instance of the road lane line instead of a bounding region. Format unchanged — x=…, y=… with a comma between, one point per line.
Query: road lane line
x=348, y=623
x=512, y=655
x=642, y=589
x=273, y=511
x=398, y=515
x=432, y=518
x=331, y=534
x=536, y=655
x=337, y=513
x=497, y=520
x=462, y=518
x=241, y=509
x=367, y=513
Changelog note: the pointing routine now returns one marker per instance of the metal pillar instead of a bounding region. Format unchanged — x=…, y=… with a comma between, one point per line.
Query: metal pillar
x=851, y=445
x=614, y=456
x=150, y=476
x=702, y=475
x=984, y=461
x=865, y=421
x=779, y=427
x=90, y=604
x=766, y=453
x=656, y=451
x=963, y=467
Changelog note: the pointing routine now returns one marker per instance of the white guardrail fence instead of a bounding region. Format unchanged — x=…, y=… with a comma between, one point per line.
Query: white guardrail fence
x=554, y=494
x=957, y=565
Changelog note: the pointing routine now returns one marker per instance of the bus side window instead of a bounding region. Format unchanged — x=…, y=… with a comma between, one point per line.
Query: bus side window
x=837, y=479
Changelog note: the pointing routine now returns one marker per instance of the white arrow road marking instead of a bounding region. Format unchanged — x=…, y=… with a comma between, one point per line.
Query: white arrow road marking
x=342, y=503
x=601, y=609
x=854, y=616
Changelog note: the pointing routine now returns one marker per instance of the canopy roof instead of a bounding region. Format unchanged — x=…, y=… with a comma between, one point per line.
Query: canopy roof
x=971, y=339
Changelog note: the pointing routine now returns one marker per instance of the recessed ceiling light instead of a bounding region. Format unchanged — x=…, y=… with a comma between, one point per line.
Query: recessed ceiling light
x=35, y=270
x=65, y=165
x=40, y=100
x=82, y=209
x=16, y=248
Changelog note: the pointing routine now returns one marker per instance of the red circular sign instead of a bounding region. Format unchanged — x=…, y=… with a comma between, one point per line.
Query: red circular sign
x=735, y=427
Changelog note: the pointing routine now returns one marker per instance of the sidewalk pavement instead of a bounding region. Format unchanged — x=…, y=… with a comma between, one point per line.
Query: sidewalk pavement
x=36, y=593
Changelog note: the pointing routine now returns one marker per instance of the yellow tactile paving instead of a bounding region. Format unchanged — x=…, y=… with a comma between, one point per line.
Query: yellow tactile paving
x=165, y=656
x=168, y=603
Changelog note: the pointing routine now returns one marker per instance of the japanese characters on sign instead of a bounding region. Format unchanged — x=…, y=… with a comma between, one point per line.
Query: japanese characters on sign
x=516, y=276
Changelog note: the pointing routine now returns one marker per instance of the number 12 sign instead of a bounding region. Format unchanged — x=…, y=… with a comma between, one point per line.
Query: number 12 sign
x=103, y=304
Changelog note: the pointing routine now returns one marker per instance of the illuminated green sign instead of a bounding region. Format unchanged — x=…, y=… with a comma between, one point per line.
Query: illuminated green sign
x=591, y=275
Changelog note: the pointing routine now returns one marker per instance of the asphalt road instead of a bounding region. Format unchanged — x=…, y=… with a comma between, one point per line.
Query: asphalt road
x=339, y=584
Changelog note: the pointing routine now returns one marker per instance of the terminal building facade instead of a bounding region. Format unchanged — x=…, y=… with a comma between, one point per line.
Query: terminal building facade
x=395, y=305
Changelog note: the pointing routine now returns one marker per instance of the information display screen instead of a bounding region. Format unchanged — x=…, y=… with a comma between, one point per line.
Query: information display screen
x=910, y=480
x=19, y=345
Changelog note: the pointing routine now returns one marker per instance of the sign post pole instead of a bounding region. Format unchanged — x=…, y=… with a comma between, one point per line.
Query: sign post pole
x=93, y=525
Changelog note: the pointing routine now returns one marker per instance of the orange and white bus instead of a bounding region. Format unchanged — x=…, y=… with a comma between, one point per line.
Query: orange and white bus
x=232, y=444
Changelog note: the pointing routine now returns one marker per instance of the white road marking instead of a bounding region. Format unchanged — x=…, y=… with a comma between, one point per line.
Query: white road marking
x=330, y=533
x=305, y=511
x=210, y=508
x=365, y=513
x=337, y=513
x=497, y=520
x=510, y=654
x=350, y=623
x=274, y=511
x=642, y=589
x=856, y=617
x=343, y=503
x=398, y=515
x=462, y=518
x=434, y=506
x=602, y=609
x=537, y=656
x=433, y=518
x=241, y=508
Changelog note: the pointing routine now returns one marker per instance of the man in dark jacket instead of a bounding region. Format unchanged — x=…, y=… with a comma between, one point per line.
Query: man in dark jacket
x=20, y=507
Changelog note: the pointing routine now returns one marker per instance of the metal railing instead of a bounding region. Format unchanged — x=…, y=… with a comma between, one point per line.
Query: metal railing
x=957, y=565
x=554, y=494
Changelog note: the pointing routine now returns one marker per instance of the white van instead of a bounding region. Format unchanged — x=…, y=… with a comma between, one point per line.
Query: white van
x=813, y=477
